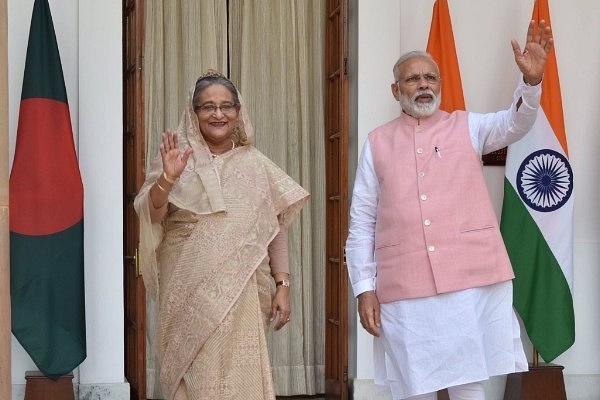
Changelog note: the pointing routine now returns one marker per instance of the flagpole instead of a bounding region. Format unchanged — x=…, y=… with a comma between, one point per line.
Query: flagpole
x=5, y=336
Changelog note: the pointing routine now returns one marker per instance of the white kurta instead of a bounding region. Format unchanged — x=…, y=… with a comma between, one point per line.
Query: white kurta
x=432, y=343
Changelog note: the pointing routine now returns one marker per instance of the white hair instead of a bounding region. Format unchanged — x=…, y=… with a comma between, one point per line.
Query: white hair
x=408, y=56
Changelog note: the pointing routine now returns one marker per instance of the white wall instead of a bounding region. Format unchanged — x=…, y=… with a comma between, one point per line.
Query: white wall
x=101, y=158
x=482, y=32
x=89, y=40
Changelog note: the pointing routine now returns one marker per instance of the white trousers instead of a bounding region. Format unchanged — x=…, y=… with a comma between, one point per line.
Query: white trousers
x=468, y=391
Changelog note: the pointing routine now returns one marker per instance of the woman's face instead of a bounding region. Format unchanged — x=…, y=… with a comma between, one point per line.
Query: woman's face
x=217, y=114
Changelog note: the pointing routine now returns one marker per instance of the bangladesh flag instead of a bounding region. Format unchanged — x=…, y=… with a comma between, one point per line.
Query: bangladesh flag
x=46, y=213
x=537, y=220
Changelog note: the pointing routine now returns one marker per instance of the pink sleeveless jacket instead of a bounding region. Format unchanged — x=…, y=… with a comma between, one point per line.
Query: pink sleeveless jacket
x=436, y=230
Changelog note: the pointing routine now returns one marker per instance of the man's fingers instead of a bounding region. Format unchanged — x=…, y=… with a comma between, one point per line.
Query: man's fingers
x=530, y=31
x=368, y=310
x=372, y=328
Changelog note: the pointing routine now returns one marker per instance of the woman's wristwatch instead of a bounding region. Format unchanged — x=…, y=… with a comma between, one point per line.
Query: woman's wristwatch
x=283, y=282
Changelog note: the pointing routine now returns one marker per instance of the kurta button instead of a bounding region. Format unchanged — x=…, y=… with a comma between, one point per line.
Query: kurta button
x=423, y=197
x=427, y=222
x=419, y=151
x=421, y=174
x=431, y=248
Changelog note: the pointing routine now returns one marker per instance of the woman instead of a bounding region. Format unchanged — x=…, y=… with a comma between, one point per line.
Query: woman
x=214, y=213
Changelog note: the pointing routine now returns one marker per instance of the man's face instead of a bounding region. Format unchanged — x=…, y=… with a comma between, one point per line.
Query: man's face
x=418, y=87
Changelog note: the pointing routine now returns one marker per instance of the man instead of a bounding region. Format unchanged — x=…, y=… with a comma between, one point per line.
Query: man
x=425, y=255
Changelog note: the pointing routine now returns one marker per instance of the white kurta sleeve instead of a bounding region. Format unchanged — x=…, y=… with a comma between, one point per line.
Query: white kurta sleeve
x=360, y=245
x=493, y=131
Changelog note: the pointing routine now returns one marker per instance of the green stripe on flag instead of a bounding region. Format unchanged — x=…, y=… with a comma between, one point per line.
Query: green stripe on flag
x=541, y=293
x=50, y=283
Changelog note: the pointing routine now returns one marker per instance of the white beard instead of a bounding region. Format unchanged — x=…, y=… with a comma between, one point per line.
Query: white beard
x=420, y=110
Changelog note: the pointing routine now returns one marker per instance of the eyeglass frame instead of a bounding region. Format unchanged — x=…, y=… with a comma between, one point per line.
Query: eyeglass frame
x=211, y=109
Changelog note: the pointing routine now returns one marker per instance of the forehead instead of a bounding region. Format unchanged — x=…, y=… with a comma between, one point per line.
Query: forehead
x=417, y=65
x=215, y=93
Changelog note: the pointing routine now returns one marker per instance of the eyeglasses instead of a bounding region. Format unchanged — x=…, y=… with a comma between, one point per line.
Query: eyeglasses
x=210, y=109
x=415, y=79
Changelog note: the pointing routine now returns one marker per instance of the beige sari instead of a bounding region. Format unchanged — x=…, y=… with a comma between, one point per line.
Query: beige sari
x=207, y=266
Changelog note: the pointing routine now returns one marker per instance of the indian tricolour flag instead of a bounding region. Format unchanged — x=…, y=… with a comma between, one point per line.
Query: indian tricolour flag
x=537, y=220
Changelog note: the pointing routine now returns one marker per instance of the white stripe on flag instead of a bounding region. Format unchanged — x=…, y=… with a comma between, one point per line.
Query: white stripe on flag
x=556, y=226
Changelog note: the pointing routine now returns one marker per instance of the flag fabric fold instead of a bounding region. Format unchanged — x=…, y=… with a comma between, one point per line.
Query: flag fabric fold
x=537, y=219
x=441, y=47
x=46, y=218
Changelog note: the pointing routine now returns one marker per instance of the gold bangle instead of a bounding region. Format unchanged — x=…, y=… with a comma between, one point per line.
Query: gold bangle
x=161, y=188
x=172, y=181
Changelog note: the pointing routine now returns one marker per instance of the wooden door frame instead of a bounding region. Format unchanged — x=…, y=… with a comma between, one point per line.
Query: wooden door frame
x=336, y=165
x=133, y=178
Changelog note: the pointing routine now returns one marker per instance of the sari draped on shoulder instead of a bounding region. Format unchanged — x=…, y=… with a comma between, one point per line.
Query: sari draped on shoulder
x=207, y=267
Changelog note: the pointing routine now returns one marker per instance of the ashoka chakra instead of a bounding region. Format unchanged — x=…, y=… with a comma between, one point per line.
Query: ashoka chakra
x=545, y=180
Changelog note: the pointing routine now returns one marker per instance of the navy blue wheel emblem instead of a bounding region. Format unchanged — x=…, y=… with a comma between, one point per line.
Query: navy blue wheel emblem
x=545, y=180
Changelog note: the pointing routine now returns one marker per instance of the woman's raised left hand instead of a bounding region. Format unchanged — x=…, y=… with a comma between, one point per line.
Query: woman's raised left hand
x=173, y=159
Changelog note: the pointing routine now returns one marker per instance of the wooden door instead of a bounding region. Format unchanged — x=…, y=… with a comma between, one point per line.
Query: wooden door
x=133, y=177
x=336, y=153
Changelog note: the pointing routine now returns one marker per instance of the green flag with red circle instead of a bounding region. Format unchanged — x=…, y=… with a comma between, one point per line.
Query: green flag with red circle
x=46, y=213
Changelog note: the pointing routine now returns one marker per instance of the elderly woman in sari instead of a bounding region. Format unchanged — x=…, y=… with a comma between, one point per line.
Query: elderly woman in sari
x=214, y=213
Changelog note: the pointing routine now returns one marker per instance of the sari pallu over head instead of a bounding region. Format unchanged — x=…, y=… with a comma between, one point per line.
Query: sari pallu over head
x=198, y=189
